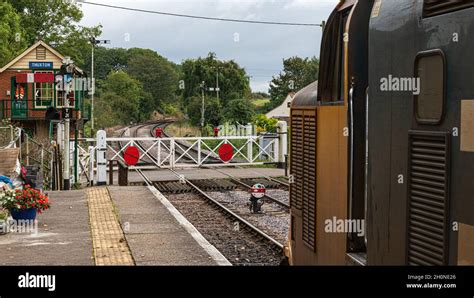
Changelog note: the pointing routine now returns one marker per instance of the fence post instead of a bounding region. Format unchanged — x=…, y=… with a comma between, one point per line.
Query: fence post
x=283, y=140
x=91, y=165
x=27, y=150
x=111, y=172
x=250, y=143
x=172, y=149
x=199, y=151
x=101, y=160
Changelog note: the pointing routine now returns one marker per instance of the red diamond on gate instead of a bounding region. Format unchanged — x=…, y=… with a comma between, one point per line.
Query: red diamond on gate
x=226, y=152
x=131, y=155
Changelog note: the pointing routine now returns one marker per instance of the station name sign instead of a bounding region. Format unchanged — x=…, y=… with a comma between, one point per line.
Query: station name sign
x=41, y=65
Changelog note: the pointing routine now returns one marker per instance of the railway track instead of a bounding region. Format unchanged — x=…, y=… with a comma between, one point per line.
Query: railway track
x=227, y=228
x=219, y=210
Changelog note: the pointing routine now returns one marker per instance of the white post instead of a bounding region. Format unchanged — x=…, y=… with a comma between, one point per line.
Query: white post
x=91, y=165
x=199, y=151
x=159, y=152
x=283, y=140
x=101, y=160
x=172, y=152
x=250, y=143
x=93, y=89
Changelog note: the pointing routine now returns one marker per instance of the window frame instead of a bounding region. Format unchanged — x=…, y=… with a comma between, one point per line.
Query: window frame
x=60, y=98
x=53, y=87
x=419, y=56
x=331, y=77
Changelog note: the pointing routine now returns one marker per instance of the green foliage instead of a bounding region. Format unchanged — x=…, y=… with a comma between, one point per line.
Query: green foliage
x=233, y=80
x=212, y=113
x=119, y=102
x=238, y=111
x=265, y=124
x=11, y=33
x=156, y=73
x=297, y=73
x=56, y=22
x=105, y=61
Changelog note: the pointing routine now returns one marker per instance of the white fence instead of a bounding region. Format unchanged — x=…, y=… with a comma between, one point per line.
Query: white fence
x=183, y=152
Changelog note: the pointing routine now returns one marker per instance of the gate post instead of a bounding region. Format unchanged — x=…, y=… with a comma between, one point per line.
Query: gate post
x=172, y=152
x=250, y=143
x=91, y=165
x=101, y=160
x=283, y=140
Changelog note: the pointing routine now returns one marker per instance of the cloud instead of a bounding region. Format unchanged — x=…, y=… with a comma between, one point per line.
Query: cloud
x=259, y=47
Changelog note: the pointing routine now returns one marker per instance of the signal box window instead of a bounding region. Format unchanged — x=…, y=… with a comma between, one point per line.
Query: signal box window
x=429, y=104
x=44, y=93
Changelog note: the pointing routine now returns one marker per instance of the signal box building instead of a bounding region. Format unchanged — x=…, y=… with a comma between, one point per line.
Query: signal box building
x=29, y=90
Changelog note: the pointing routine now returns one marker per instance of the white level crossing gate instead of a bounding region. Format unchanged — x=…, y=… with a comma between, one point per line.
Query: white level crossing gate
x=182, y=152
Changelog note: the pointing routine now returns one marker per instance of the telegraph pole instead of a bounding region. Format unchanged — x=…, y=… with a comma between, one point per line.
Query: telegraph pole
x=94, y=42
x=217, y=85
x=202, y=104
x=68, y=68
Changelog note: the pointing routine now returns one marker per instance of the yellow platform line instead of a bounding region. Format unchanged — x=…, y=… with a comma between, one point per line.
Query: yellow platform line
x=108, y=240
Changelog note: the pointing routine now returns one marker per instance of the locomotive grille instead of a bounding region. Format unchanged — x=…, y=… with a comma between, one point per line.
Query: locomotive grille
x=309, y=181
x=303, y=169
x=437, y=7
x=296, y=197
x=428, y=197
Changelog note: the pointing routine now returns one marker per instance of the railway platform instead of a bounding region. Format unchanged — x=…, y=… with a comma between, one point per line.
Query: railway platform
x=109, y=226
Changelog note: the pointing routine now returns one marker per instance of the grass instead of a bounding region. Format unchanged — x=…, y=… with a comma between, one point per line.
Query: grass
x=258, y=103
x=182, y=129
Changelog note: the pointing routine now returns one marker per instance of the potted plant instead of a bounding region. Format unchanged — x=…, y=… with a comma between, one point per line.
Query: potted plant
x=3, y=221
x=24, y=203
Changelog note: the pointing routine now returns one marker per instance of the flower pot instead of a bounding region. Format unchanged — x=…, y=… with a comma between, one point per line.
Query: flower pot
x=23, y=214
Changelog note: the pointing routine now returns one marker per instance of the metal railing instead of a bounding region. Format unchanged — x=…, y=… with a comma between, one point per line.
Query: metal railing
x=35, y=110
x=31, y=151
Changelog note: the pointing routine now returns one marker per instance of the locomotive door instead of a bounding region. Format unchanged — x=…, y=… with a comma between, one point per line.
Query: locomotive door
x=428, y=166
x=355, y=95
x=19, y=99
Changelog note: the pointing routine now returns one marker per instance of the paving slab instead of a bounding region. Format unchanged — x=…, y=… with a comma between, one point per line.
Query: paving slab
x=153, y=234
x=63, y=236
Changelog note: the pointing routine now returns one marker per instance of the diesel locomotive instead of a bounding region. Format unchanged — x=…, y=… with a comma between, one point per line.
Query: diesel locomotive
x=382, y=145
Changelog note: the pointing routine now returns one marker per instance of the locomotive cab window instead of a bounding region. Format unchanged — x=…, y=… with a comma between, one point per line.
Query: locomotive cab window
x=331, y=75
x=429, y=103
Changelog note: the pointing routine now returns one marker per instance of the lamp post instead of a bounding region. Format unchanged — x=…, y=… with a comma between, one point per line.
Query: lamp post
x=67, y=68
x=202, y=104
x=94, y=42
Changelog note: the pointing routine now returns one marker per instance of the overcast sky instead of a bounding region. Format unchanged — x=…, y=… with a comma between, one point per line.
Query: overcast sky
x=258, y=48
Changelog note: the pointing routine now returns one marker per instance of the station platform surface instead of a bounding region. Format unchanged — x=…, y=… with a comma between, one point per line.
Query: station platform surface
x=109, y=226
x=199, y=173
x=154, y=235
x=63, y=236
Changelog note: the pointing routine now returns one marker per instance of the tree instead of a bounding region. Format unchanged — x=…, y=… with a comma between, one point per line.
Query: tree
x=105, y=61
x=233, y=80
x=156, y=73
x=11, y=34
x=212, y=113
x=297, y=73
x=119, y=101
x=238, y=111
x=56, y=22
